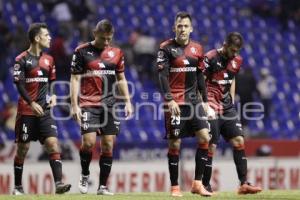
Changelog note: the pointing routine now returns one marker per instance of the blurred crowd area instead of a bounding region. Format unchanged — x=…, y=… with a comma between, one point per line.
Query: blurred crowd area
x=270, y=73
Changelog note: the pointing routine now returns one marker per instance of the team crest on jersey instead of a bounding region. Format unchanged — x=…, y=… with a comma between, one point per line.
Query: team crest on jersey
x=193, y=50
x=111, y=54
x=46, y=61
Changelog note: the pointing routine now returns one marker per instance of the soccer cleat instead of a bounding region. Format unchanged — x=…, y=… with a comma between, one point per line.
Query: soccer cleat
x=18, y=190
x=103, y=190
x=198, y=188
x=175, y=191
x=209, y=189
x=83, y=184
x=247, y=188
x=62, y=188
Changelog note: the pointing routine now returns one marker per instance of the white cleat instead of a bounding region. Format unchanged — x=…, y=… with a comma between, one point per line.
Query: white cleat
x=103, y=190
x=83, y=184
x=18, y=191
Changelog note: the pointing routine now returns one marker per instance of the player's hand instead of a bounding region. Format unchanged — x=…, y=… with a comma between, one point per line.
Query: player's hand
x=37, y=109
x=52, y=101
x=76, y=112
x=174, y=108
x=128, y=110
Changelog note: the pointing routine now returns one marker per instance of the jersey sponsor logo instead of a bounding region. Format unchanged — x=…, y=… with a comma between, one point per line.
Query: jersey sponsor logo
x=219, y=64
x=186, y=62
x=30, y=80
x=101, y=72
x=183, y=69
x=222, y=82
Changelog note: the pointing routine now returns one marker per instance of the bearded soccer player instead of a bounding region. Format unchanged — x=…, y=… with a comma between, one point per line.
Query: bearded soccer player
x=34, y=71
x=221, y=67
x=96, y=68
x=181, y=79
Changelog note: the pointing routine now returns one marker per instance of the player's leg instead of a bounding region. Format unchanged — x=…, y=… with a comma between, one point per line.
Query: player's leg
x=214, y=134
x=105, y=163
x=173, y=163
x=48, y=137
x=232, y=132
x=90, y=120
x=23, y=130
x=173, y=127
x=240, y=161
x=88, y=142
x=51, y=144
x=22, y=149
x=109, y=129
x=208, y=167
x=201, y=160
x=201, y=127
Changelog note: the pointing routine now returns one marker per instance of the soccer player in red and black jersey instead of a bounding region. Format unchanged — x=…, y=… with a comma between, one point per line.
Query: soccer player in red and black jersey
x=181, y=79
x=34, y=71
x=96, y=68
x=220, y=68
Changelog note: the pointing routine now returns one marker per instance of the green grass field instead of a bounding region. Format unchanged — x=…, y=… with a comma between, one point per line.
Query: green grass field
x=271, y=194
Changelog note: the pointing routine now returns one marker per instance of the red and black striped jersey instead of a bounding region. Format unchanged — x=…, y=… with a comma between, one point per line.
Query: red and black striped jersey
x=35, y=72
x=220, y=73
x=181, y=65
x=98, y=68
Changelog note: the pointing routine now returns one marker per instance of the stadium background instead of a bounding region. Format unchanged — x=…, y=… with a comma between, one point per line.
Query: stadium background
x=270, y=29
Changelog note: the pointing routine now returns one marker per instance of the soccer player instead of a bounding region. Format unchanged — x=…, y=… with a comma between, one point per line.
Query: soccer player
x=220, y=68
x=34, y=72
x=178, y=63
x=96, y=67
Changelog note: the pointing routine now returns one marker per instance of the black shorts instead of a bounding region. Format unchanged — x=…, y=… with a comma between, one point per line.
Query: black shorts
x=192, y=118
x=32, y=128
x=100, y=120
x=228, y=125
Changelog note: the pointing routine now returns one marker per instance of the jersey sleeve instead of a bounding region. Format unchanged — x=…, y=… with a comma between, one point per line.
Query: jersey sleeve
x=52, y=73
x=121, y=64
x=77, y=64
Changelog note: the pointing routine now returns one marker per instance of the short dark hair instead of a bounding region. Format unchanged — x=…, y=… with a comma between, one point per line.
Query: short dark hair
x=34, y=29
x=104, y=26
x=235, y=39
x=182, y=15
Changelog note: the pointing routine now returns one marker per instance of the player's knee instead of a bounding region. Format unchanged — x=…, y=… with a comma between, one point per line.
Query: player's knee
x=22, y=151
x=174, y=144
x=212, y=148
x=88, y=145
x=237, y=141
